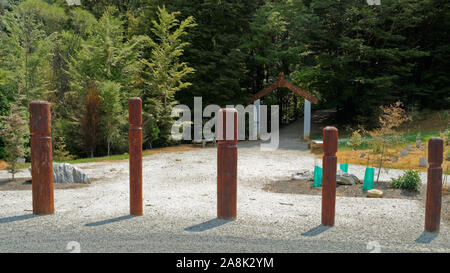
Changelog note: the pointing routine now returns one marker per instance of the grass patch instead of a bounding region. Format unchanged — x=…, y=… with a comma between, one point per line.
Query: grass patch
x=410, y=161
x=96, y=159
x=346, y=155
x=407, y=138
x=178, y=148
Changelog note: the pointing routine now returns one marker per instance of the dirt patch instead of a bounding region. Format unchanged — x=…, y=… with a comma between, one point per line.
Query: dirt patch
x=171, y=149
x=305, y=187
x=24, y=184
x=3, y=165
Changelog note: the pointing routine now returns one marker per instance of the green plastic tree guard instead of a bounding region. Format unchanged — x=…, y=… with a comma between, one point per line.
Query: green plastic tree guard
x=368, y=179
x=344, y=167
x=317, y=176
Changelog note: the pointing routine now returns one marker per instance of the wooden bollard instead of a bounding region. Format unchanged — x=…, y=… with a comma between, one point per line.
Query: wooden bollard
x=41, y=158
x=135, y=151
x=330, y=141
x=227, y=163
x=434, y=185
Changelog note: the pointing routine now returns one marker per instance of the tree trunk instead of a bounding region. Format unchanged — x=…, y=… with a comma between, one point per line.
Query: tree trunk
x=381, y=161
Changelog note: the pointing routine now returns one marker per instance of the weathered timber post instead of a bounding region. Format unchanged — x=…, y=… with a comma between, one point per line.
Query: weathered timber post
x=330, y=141
x=41, y=158
x=135, y=151
x=227, y=136
x=434, y=185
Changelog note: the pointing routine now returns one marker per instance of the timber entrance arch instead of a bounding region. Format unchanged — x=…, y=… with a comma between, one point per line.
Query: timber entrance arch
x=281, y=82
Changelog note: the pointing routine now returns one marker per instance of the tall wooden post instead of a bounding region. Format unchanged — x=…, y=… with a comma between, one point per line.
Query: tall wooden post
x=135, y=151
x=227, y=136
x=41, y=157
x=330, y=141
x=434, y=185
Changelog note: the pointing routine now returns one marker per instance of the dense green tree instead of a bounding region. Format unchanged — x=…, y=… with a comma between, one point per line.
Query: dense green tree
x=88, y=60
x=105, y=60
x=214, y=50
x=366, y=54
x=112, y=112
x=26, y=45
x=14, y=130
x=166, y=73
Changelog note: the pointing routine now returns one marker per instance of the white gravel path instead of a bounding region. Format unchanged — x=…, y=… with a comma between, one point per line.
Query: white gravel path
x=180, y=210
x=180, y=199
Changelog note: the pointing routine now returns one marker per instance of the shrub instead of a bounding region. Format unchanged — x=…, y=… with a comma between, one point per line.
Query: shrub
x=446, y=136
x=377, y=144
x=355, y=140
x=59, y=152
x=14, y=132
x=410, y=180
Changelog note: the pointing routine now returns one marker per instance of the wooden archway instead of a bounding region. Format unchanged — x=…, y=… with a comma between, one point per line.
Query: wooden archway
x=280, y=83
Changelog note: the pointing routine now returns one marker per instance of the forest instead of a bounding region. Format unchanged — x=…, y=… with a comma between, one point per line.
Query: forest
x=88, y=59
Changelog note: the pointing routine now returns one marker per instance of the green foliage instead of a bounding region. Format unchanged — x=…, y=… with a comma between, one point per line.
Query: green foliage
x=447, y=156
x=445, y=115
x=446, y=136
x=166, y=72
x=215, y=51
x=26, y=44
x=355, y=140
x=107, y=66
x=352, y=56
x=410, y=180
x=112, y=112
x=59, y=151
x=14, y=131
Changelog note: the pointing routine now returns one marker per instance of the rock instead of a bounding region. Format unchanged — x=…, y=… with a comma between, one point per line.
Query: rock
x=423, y=162
x=303, y=175
x=394, y=159
x=374, y=193
x=418, y=144
x=67, y=173
x=409, y=148
x=361, y=155
x=343, y=178
x=21, y=160
x=403, y=152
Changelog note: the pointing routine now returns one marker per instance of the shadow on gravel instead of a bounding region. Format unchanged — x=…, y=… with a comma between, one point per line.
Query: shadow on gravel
x=316, y=231
x=107, y=221
x=17, y=218
x=426, y=237
x=207, y=225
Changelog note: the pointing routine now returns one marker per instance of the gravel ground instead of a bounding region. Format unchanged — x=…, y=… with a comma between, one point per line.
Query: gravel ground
x=180, y=211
